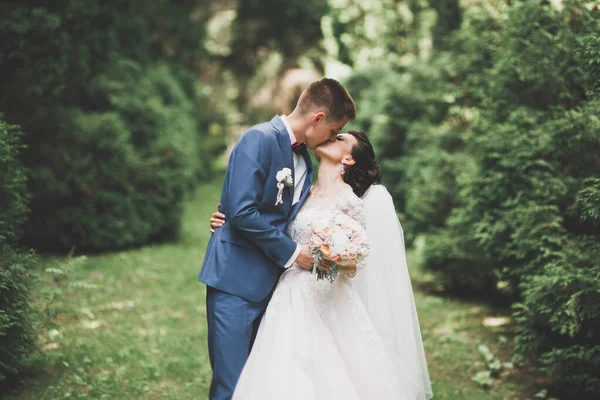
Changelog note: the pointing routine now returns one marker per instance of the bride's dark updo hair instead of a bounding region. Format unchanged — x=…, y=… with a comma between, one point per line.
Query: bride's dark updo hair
x=365, y=170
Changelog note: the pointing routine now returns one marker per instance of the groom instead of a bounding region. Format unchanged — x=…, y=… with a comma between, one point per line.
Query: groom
x=267, y=180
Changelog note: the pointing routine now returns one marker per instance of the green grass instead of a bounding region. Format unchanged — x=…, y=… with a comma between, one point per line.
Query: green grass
x=453, y=330
x=142, y=333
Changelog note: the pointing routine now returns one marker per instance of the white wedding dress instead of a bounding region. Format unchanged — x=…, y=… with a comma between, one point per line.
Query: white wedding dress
x=316, y=340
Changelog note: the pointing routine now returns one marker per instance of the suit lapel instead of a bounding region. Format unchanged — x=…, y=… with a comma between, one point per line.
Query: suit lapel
x=286, y=150
x=307, y=184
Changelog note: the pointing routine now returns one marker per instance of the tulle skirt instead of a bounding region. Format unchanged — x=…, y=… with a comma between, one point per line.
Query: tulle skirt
x=316, y=342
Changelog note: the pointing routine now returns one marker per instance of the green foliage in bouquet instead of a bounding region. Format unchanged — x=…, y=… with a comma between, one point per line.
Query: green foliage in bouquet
x=104, y=92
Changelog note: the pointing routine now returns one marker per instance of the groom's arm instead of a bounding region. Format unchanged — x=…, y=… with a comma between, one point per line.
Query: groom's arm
x=248, y=179
x=302, y=256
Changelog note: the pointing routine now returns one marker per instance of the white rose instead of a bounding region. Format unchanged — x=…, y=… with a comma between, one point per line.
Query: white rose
x=340, y=240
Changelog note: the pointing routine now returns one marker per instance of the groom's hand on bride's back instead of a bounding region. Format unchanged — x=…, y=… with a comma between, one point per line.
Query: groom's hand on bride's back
x=217, y=219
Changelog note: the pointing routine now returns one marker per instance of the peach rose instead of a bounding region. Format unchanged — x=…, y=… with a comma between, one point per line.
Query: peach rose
x=325, y=250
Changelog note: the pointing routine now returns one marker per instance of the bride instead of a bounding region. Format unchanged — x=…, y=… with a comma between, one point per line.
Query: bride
x=355, y=338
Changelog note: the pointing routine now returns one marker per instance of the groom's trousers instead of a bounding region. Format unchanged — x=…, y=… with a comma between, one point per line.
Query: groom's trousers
x=232, y=326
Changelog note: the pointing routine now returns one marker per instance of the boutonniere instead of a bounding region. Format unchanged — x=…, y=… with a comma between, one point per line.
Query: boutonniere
x=284, y=178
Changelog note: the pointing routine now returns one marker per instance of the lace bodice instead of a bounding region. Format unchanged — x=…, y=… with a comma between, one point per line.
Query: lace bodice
x=316, y=209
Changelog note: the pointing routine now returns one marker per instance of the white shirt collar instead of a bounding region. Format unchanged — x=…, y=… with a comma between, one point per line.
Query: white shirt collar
x=289, y=129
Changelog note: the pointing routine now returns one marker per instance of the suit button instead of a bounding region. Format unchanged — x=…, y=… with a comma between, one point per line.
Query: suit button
x=275, y=256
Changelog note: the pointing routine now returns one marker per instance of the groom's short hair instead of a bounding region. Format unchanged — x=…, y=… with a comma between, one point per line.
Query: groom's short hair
x=330, y=95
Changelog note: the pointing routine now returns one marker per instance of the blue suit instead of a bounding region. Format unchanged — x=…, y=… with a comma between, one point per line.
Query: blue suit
x=245, y=257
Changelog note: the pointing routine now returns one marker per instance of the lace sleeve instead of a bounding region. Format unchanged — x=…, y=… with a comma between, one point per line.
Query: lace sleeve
x=353, y=206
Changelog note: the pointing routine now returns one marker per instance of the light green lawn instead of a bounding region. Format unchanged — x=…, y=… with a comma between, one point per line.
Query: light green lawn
x=142, y=335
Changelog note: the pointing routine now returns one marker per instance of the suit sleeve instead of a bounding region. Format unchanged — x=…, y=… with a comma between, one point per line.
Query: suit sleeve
x=248, y=180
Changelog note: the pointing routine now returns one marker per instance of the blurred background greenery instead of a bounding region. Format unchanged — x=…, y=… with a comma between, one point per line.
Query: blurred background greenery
x=485, y=115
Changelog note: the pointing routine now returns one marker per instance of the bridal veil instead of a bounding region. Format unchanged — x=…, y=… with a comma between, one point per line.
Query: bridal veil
x=385, y=289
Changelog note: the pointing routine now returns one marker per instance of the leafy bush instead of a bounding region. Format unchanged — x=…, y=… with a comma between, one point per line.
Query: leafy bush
x=16, y=334
x=559, y=313
x=526, y=220
x=116, y=178
x=104, y=92
x=491, y=147
x=17, y=338
x=397, y=109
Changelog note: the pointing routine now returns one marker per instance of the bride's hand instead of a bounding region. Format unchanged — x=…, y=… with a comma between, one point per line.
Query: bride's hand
x=325, y=265
x=305, y=258
x=349, y=269
x=217, y=219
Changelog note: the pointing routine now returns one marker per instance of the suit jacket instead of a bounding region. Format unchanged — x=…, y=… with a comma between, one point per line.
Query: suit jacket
x=246, y=256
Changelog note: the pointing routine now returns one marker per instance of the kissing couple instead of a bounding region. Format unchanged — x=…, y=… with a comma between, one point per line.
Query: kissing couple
x=308, y=295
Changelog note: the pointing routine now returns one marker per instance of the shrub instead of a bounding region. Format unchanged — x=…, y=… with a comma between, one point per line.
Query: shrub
x=104, y=92
x=491, y=146
x=116, y=178
x=16, y=334
x=525, y=221
x=399, y=108
x=559, y=313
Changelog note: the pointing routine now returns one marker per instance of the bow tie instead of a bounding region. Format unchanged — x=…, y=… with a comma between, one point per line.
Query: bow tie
x=298, y=148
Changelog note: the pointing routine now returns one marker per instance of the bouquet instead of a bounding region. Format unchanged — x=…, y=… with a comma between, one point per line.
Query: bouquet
x=340, y=240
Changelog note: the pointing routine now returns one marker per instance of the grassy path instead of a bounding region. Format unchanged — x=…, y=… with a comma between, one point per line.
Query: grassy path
x=141, y=335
